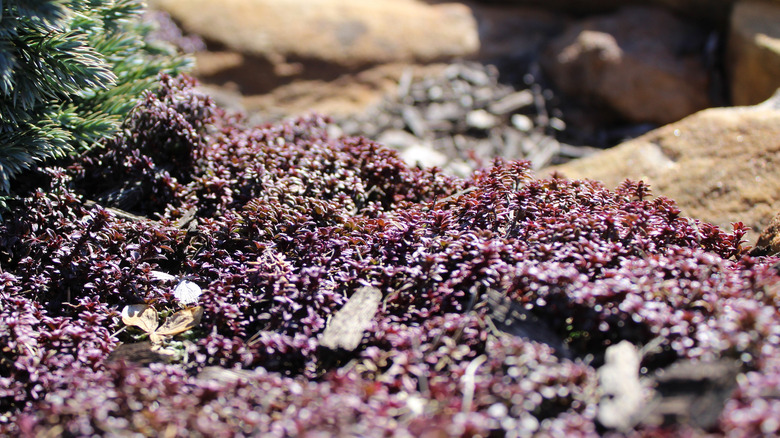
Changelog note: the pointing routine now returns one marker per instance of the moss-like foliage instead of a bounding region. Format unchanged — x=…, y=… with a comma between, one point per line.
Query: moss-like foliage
x=280, y=225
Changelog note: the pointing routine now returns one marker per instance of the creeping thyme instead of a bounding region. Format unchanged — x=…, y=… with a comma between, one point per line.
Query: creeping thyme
x=280, y=225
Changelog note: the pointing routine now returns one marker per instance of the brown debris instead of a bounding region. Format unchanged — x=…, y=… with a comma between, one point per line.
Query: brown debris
x=693, y=393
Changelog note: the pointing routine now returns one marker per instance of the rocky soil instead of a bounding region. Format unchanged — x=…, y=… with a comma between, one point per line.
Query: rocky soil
x=547, y=85
x=455, y=84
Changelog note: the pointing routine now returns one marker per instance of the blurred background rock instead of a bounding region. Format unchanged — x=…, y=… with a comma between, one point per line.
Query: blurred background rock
x=454, y=84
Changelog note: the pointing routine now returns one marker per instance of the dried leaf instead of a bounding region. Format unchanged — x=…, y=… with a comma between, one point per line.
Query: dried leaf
x=156, y=339
x=179, y=322
x=161, y=276
x=187, y=292
x=141, y=316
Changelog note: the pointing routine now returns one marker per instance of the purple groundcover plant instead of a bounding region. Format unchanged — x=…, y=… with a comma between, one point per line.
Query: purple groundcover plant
x=281, y=225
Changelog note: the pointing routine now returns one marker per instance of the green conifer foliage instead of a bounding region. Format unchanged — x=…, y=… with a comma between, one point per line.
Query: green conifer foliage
x=70, y=70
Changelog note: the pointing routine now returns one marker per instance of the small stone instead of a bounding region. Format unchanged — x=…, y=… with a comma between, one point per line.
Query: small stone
x=459, y=168
x=521, y=122
x=557, y=124
x=224, y=375
x=443, y=111
x=480, y=119
x=476, y=77
x=424, y=156
x=397, y=139
x=435, y=93
x=484, y=95
x=404, y=82
x=623, y=395
x=141, y=353
x=512, y=102
x=546, y=149
x=414, y=121
x=334, y=131
x=440, y=126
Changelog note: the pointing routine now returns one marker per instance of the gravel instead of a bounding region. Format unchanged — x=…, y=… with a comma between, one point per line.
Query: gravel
x=464, y=117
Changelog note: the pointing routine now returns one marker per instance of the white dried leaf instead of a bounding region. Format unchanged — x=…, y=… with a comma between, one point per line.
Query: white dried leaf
x=140, y=315
x=187, y=292
x=162, y=276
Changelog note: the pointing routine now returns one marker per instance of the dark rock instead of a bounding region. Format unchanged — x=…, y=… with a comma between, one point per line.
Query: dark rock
x=644, y=64
x=692, y=392
x=513, y=319
x=753, y=52
x=141, y=353
x=712, y=12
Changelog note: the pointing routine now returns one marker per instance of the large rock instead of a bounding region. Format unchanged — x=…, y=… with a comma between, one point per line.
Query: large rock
x=643, y=63
x=720, y=164
x=348, y=33
x=754, y=51
x=769, y=241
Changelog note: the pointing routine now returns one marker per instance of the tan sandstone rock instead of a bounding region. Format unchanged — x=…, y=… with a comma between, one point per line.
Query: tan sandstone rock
x=754, y=51
x=343, y=32
x=769, y=240
x=719, y=165
x=643, y=63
